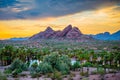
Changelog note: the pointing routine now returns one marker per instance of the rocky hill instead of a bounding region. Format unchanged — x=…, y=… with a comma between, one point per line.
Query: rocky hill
x=68, y=32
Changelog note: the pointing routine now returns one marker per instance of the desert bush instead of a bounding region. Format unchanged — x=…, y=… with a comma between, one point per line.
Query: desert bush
x=15, y=68
x=64, y=68
x=16, y=72
x=34, y=74
x=33, y=68
x=66, y=59
x=2, y=76
x=87, y=64
x=36, y=70
x=53, y=59
x=16, y=64
x=8, y=71
x=84, y=73
x=44, y=68
x=56, y=75
x=34, y=65
x=76, y=65
x=24, y=66
x=58, y=62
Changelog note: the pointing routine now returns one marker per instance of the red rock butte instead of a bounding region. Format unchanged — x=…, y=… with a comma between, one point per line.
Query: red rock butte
x=68, y=32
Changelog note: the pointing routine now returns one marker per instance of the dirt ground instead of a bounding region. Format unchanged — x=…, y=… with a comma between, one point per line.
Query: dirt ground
x=77, y=76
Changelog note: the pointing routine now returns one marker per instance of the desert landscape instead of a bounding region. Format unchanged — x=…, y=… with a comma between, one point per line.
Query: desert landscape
x=59, y=39
x=60, y=55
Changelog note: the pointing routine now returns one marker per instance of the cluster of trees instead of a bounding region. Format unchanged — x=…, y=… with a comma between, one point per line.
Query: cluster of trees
x=104, y=58
x=9, y=53
x=52, y=63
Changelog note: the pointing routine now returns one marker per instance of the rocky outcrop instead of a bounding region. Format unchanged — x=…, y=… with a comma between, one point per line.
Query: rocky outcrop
x=68, y=32
x=65, y=31
x=74, y=33
x=48, y=33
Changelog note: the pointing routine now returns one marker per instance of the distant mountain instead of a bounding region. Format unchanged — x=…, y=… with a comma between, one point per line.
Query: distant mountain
x=18, y=39
x=68, y=32
x=107, y=36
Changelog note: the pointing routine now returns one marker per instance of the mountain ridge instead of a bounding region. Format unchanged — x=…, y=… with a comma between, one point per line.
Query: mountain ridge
x=68, y=32
x=107, y=36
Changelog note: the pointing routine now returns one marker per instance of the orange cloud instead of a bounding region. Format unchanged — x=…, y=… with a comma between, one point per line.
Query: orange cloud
x=89, y=22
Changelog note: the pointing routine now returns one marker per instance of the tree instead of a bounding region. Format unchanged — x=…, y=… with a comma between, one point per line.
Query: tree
x=6, y=54
x=58, y=62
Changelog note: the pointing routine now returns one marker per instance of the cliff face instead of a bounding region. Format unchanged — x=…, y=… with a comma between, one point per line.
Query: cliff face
x=68, y=32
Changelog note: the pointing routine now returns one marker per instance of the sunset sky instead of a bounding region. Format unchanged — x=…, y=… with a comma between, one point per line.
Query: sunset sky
x=23, y=18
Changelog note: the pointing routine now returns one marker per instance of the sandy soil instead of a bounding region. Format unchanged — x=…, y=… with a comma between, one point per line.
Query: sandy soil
x=109, y=76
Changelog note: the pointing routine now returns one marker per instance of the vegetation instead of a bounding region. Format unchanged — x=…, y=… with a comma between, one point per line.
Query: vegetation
x=44, y=68
x=16, y=67
x=55, y=57
x=2, y=76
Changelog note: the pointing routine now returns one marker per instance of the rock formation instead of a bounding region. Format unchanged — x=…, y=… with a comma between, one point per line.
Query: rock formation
x=68, y=32
x=74, y=33
x=65, y=31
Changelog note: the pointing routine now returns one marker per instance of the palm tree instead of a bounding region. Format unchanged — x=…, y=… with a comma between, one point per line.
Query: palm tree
x=6, y=54
x=21, y=54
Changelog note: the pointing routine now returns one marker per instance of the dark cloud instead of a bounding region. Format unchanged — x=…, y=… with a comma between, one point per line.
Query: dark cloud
x=49, y=8
x=7, y=3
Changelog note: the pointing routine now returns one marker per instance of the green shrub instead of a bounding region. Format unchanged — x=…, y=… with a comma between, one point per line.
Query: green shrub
x=100, y=71
x=24, y=67
x=57, y=75
x=53, y=59
x=84, y=73
x=16, y=67
x=8, y=71
x=87, y=64
x=76, y=65
x=59, y=62
x=16, y=72
x=16, y=64
x=34, y=75
x=34, y=65
x=64, y=68
x=65, y=59
x=44, y=68
x=3, y=77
